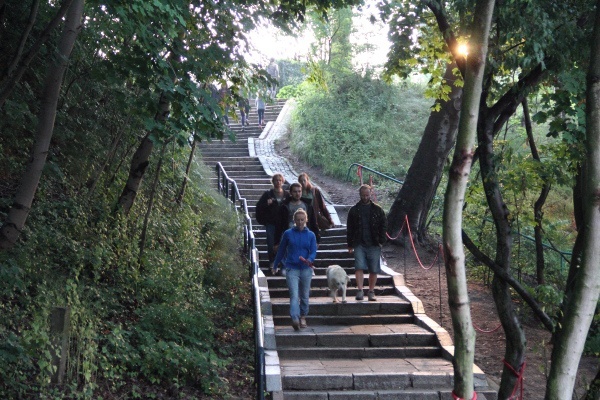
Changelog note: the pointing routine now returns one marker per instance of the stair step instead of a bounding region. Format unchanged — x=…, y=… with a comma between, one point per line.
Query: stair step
x=324, y=306
x=323, y=292
x=375, y=335
x=345, y=320
x=314, y=353
x=320, y=281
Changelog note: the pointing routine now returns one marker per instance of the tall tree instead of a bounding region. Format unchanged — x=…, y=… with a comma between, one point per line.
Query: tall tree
x=581, y=305
x=15, y=221
x=420, y=185
x=458, y=297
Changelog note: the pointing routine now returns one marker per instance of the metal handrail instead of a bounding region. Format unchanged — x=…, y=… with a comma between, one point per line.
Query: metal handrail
x=228, y=188
x=373, y=171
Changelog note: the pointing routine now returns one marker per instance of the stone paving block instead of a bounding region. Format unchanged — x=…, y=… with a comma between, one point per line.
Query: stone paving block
x=388, y=340
x=390, y=365
x=318, y=382
x=353, y=395
x=427, y=379
x=289, y=395
x=271, y=357
x=272, y=378
x=297, y=339
x=335, y=340
x=381, y=381
x=408, y=395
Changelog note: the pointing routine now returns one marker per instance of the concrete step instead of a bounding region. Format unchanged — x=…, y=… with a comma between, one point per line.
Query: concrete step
x=312, y=353
x=378, y=378
x=320, y=280
x=348, y=320
x=323, y=292
x=350, y=336
x=324, y=306
x=262, y=245
x=346, y=263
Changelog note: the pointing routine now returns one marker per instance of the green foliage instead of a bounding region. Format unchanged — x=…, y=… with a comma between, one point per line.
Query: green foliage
x=158, y=321
x=291, y=72
x=359, y=120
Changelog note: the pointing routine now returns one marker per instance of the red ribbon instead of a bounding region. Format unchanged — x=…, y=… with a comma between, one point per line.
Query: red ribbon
x=455, y=397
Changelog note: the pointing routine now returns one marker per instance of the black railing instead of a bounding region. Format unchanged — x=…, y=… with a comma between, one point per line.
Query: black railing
x=228, y=188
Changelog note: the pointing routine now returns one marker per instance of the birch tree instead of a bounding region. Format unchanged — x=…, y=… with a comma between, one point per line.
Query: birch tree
x=580, y=307
x=458, y=297
x=15, y=221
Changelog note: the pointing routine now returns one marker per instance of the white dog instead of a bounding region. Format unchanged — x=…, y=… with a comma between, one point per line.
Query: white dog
x=337, y=279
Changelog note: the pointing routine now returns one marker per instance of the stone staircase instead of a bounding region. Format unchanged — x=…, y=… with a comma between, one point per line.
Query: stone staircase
x=387, y=349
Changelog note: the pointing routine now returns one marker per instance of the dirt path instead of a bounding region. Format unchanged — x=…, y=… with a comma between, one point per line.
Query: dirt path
x=425, y=284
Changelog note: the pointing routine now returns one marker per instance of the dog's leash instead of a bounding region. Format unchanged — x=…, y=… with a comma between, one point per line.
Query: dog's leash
x=309, y=263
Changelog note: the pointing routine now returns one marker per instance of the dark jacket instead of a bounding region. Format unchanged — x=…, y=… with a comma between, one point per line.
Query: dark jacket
x=320, y=200
x=378, y=225
x=284, y=215
x=269, y=214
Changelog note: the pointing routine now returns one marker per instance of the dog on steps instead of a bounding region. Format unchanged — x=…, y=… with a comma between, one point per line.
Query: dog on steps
x=337, y=279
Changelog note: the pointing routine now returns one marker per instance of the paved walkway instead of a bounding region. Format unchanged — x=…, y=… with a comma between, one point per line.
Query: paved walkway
x=264, y=148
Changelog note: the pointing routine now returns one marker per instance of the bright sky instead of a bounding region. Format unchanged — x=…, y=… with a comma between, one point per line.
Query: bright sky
x=269, y=42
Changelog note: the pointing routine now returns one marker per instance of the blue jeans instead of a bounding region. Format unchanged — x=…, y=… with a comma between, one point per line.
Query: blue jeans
x=367, y=258
x=298, y=282
x=270, y=241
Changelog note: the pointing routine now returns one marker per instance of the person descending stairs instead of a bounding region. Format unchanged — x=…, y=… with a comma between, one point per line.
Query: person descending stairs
x=384, y=349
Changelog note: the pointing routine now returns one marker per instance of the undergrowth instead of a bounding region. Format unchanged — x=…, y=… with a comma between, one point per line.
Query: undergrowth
x=175, y=323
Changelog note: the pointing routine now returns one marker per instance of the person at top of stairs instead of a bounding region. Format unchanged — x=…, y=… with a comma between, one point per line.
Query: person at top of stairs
x=267, y=212
x=299, y=247
x=365, y=233
x=260, y=107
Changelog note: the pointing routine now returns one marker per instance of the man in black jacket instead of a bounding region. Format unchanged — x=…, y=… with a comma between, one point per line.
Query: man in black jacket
x=366, y=232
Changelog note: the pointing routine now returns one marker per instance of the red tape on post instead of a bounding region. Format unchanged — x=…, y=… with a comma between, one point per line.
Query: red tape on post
x=519, y=374
x=455, y=397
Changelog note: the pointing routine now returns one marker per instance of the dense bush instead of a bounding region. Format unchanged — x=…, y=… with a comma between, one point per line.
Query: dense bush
x=159, y=320
x=359, y=120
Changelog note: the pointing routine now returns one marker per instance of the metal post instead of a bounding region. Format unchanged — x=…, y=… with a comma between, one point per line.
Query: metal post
x=59, y=333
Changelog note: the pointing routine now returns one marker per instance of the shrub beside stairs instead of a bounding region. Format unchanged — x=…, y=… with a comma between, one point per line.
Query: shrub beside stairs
x=368, y=350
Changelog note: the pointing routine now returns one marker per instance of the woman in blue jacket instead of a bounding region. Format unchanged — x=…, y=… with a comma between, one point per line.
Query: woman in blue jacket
x=299, y=247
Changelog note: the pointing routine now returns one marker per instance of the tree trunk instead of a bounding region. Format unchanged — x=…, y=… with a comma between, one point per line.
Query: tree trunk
x=22, y=63
x=140, y=162
x=581, y=305
x=187, y=172
x=458, y=297
x=416, y=195
x=538, y=214
x=514, y=353
x=150, y=204
x=93, y=180
x=17, y=215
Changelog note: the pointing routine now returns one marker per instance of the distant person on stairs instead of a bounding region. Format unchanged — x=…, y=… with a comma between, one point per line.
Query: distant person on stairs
x=260, y=107
x=267, y=212
x=366, y=228
x=224, y=94
x=273, y=70
x=244, y=106
x=311, y=194
x=299, y=248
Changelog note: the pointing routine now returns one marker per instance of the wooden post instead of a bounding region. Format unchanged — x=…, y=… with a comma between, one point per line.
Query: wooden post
x=59, y=333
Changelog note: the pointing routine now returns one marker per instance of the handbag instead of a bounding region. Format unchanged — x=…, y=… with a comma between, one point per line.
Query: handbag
x=322, y=221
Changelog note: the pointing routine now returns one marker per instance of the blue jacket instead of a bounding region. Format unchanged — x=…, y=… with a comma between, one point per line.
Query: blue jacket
x=293, y=245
